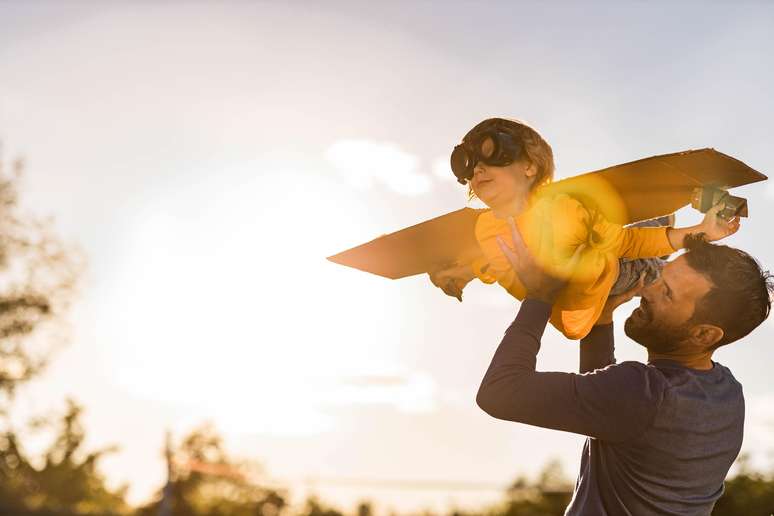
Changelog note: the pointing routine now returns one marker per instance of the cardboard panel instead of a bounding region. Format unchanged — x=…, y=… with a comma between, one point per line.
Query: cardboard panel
x=417, y=249
x=660, y=185
x=625, y=193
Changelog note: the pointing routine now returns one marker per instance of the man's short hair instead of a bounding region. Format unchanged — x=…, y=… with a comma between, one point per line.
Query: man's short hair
x=740, y=297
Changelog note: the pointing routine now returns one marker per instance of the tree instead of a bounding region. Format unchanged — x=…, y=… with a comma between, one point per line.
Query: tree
x=316, y=508
x=67, y=479
x=206, y=481
x=747, y=492
x=548, y=495
x=38, y=274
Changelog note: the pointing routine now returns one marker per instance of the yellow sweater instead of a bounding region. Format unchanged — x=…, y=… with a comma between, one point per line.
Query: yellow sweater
x=566, y=223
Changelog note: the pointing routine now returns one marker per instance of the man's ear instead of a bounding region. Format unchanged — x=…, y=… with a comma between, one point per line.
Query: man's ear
x=706, y=336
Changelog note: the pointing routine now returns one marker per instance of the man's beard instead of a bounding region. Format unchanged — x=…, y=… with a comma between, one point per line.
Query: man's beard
x=653, y=335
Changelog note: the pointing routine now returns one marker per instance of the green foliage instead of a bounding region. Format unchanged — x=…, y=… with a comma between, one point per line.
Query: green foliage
x=38, y=274
x=548, y=495
x=67, y=480
x=748, y=492
x=315, y=508
x=207, y=482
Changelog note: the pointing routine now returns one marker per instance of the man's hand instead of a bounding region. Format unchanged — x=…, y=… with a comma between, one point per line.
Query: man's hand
x=453, y=279
x=613, y=302
x=538, y=283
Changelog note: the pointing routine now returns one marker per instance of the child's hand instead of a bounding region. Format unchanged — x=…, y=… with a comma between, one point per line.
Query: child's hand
x=716, y=227
x=713, y=226
x=613, y=302
x=453, y=279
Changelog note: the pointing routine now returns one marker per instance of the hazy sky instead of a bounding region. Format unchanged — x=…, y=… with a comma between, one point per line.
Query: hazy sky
x=208, y=157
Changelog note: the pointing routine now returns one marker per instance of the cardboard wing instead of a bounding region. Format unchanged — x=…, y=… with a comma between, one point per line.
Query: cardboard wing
x=626, y=193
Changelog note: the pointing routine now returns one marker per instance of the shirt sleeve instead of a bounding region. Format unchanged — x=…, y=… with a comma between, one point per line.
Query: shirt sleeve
x=632, y=242
x=616, y=403
x=597, y=349
x=480, y=266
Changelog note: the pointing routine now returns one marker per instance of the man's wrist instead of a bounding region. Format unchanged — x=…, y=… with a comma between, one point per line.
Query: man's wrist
x=604, y=319
x=536, y=311
x=545, y=295
x=537, y=302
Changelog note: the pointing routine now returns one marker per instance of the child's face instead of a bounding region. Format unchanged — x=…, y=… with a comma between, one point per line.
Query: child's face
x=501, y=186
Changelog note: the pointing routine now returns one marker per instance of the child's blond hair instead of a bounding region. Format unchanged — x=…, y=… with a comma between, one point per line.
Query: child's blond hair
x=536, y=149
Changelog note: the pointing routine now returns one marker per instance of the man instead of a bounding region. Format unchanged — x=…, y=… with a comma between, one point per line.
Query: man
x=662, y=435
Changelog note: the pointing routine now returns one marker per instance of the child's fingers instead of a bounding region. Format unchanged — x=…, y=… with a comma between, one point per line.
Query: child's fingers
x=716, y=209
x=450, y=288
x=629, y=294
x=734, y=223
x=639, y=286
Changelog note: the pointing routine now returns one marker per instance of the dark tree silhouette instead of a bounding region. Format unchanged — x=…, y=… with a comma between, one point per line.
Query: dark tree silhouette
x=206, y=481
x=38, y=274
x=63, y=479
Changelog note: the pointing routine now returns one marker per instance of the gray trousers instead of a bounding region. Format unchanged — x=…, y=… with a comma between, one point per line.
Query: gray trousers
x=630, y=270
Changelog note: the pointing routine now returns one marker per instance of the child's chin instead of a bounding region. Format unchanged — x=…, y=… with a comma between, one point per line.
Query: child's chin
x=490, y=199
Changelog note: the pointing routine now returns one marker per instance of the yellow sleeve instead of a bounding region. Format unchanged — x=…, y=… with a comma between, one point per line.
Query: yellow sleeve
x=645, y=243
x=635, y=242
x=480, y=266
x=493, y=265
x=630, y=242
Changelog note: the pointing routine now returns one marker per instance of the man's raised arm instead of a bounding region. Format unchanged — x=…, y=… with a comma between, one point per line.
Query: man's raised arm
x=597, y=349
x=615, y=403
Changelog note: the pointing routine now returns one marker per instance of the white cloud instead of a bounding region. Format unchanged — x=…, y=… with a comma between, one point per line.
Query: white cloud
x=442, y=168
x=414, y=392
x=758, y=429
x=364, y=163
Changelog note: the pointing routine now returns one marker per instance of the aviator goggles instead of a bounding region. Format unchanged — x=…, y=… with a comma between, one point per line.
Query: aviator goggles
x=505, y=149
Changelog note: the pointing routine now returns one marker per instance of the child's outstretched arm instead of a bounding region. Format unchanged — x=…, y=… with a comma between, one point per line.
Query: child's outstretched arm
x=713, y=226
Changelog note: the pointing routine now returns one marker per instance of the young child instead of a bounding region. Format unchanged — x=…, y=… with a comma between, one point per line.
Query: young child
x=505, y=162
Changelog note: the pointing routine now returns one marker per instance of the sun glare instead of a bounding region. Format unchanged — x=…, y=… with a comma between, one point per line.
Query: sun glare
x=230, y=309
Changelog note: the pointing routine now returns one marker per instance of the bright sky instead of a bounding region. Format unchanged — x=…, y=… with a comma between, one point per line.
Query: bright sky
x=208, y=157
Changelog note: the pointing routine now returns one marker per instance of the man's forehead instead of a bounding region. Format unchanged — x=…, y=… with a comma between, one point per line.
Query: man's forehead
x=682, y=279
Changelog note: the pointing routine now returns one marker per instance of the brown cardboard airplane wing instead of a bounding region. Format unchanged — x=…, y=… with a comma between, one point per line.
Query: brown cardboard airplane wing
x=626, y=193
x=421, y=248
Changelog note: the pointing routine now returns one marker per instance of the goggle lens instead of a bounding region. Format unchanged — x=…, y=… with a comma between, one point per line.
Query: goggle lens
x=486, y=148
x=462, y=164
x=494, y=148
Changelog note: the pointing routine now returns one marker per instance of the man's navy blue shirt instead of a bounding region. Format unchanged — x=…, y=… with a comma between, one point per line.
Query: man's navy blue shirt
x=662, y=436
